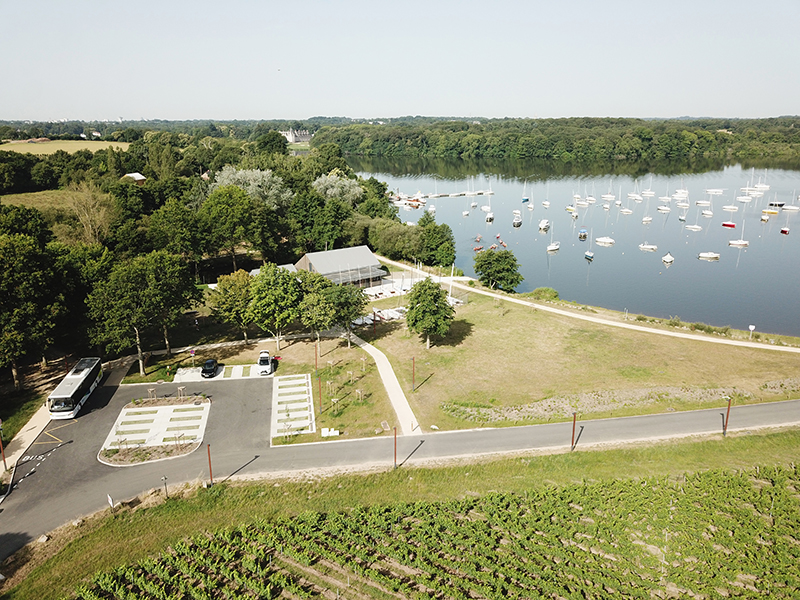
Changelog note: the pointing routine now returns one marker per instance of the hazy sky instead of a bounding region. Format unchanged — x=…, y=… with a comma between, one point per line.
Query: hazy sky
x=295, y=59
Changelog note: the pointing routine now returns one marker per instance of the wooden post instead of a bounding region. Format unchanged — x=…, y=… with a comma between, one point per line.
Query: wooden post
x=574, y=419
x=210, y=474
x=395, y=447
x=413, y=375
x=727, y=418
x=319, y=382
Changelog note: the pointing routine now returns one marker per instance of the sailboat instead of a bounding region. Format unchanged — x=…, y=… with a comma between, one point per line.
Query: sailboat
x=668, y=259
x=524, y=192
x=553, y=247
x=741, y=242
x=546, y=202
x=517, y=220
x=648, y=247
x=589, y=255
x=708, y=256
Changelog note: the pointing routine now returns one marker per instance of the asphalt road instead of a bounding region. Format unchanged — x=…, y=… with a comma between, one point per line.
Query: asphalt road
x=64, y=481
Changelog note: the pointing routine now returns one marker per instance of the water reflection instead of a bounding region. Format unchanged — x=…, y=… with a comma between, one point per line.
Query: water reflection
x=758, y=285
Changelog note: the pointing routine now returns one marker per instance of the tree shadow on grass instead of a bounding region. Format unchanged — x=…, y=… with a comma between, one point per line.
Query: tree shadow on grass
x=381, y=330
x=459, y=331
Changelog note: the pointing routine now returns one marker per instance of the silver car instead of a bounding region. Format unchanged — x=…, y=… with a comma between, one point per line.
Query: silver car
x=264, y=363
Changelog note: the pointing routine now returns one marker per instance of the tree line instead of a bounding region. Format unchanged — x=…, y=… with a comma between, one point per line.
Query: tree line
x=112, y=261
x=573, y=140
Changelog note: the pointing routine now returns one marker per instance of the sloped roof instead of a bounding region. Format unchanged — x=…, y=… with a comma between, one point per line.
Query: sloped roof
x=341, y=259
x=136, y=176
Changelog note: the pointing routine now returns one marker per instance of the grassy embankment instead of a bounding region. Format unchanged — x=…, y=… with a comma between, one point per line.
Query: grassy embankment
x=506, y=364
x=66, y=145
x=103, y=542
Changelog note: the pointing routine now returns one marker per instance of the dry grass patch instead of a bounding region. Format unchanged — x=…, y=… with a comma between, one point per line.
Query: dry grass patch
x=506, y=364
x=51, y=147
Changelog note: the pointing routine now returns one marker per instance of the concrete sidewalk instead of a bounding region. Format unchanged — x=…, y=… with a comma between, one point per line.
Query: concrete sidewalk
x=18, y=447
x=405, y=416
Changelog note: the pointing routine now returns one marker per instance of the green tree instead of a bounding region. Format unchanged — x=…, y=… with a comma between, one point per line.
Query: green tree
x=30, y=302
x=230, y=301
x=225, y=218
x=172, y=287
x=429, y=312
x=146, y=291
x=272, y=142
x=348, y=303
x=174, y=228
x=317, y=312
x=498, y=268
x=276, y=297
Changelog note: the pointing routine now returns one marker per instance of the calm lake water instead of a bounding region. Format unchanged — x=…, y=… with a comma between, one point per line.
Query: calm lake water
x=758, y=285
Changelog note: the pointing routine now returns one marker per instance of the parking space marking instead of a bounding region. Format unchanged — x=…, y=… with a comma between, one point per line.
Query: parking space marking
x=292, y=405
x=163, y=419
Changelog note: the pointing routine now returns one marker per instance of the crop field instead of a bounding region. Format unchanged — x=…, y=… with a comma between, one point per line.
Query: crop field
x=66, y=145
x=705, y=535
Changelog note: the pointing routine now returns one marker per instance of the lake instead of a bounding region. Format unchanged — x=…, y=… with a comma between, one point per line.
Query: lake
x=758, y=285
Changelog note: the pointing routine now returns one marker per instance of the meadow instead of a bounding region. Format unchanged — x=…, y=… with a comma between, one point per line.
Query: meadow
x=53, y=146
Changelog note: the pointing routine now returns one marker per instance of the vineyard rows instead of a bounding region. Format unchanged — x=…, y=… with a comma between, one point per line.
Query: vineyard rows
x=711, y=534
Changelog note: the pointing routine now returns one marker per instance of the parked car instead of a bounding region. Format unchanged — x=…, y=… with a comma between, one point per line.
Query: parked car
x=264, y=363
x=209, y=368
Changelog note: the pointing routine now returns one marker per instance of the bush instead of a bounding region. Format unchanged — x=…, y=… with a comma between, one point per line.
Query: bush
x=544, y=294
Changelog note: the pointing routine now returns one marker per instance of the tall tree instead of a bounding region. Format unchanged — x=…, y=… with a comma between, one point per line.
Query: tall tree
x=172, y=288
x=429, y=312
x=348, y=303
x=146, y=291
x=230, y=301
x=317, y=312
x=30, y=302
x=174, y=228
x=276, y=297
x=498, y=268
x=225, y=216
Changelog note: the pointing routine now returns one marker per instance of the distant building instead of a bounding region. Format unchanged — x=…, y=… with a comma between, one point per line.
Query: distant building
x=137, y=178
x=354, y=266
x=294, y=137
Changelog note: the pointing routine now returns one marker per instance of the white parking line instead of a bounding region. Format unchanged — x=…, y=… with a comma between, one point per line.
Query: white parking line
x=158, y=426
x=292, y=405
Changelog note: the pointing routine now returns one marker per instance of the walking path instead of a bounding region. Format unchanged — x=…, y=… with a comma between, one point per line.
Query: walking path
x=454, y=281
x=405, y=416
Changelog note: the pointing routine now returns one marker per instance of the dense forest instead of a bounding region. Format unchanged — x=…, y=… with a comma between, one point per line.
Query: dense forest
x=109, y=262
x=573, y=140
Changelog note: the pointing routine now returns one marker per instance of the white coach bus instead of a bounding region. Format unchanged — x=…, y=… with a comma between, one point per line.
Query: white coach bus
x=70, y=395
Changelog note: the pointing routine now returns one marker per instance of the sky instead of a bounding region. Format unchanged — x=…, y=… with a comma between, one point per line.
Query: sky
x=296, y=59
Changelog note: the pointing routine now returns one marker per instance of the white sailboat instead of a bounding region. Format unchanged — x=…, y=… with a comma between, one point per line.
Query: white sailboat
x=589, y=255
x=553, y=247
x=668, y=259
x=741, y=242
x=708, y=256
x=648, y=247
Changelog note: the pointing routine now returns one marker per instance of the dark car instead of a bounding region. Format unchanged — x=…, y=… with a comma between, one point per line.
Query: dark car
x=209, y=368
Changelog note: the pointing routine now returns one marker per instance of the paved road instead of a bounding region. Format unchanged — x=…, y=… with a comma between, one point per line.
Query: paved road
x=65, y=481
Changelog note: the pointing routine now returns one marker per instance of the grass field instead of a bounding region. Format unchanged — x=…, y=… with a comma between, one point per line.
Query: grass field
x=506, y=364
x=103, y=543
x=65, y=145
x=43, y=201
